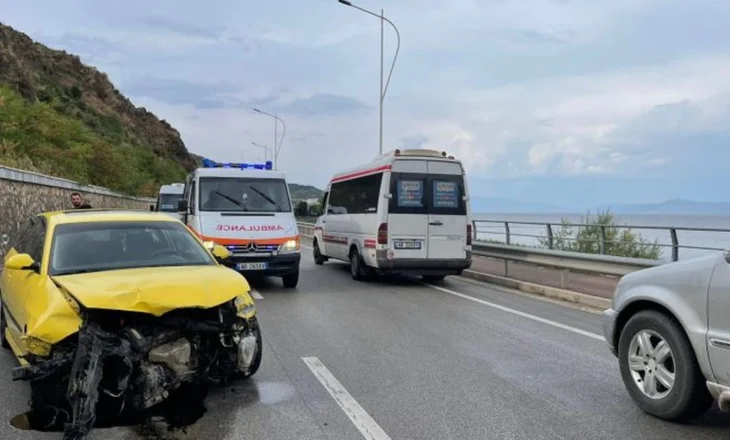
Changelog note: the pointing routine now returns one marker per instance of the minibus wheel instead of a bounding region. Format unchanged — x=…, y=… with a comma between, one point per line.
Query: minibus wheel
x=357, y=266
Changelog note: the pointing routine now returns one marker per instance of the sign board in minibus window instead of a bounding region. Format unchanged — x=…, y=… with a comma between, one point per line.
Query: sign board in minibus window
x=445, y=194
x=410, y=193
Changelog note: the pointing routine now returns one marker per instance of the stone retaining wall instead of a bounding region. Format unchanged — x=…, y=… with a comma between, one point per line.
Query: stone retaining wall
x=24, y=194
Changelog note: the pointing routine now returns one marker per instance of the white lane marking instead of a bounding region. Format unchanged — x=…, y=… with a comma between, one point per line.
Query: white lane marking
x=359, y=417
x=517, y=312
x=256, y=295
x=509, y=310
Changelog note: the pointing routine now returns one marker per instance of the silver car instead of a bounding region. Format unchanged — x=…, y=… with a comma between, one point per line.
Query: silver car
x=669, y=326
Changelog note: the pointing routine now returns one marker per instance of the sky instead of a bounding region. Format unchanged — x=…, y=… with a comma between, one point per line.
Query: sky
x=575, y=103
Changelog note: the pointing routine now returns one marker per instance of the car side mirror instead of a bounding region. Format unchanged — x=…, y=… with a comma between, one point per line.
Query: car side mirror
x=22, y=262
x=219, y=252
x=182, y=206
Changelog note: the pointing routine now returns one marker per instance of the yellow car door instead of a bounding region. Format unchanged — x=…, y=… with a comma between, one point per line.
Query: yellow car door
x=21, y=286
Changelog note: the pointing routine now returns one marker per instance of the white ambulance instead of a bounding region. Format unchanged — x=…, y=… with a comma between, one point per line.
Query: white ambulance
x=246, y=208
x=167, y=199
x=407, y=212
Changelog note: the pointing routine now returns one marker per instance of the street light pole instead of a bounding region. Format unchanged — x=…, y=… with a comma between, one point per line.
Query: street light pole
x=383, y=90
x=265, y=147
x=276, y=149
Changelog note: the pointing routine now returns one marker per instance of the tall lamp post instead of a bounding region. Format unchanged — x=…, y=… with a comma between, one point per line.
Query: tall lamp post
x=383, y=90
x=276, y=149
x=266, y=149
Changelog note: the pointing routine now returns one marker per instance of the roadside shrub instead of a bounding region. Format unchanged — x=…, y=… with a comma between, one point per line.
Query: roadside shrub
x=619, y=240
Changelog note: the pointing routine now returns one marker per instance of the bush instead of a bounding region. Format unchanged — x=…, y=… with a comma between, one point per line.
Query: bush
x=38, y=137
x=619, y=241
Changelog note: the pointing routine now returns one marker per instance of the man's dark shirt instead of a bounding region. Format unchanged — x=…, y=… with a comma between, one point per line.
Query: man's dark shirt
x=83, y=206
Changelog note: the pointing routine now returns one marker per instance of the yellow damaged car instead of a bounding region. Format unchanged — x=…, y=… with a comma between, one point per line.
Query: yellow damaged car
x=110, y=311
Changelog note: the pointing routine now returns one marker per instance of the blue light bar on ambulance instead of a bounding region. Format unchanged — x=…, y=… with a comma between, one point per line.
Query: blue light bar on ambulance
x=268, y=165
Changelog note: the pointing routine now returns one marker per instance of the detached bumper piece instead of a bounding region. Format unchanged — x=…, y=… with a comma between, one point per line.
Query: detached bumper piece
x=94, y=346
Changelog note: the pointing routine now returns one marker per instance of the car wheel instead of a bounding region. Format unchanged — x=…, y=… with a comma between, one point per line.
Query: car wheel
x=319, y=259
x=433, y=278
x=291, y=280
x=3, y=326
x=659, y=368
x=357, y=267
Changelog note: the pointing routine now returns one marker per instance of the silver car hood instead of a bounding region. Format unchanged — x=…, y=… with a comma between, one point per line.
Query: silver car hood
x=684, y=275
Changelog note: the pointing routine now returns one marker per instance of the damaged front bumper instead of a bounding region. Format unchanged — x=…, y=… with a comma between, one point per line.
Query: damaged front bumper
x=140, y=362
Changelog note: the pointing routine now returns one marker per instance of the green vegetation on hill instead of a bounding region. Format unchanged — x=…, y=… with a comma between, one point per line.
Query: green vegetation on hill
x=37, y=137
x=61, y=117
x=304, y=192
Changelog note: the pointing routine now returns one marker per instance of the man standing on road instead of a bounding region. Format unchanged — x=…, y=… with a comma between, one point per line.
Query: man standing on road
x=78, y=201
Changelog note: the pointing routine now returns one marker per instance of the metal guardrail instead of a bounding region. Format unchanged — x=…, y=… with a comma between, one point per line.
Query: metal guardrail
x=603, y=245
x=573, y=261
x=306, y=229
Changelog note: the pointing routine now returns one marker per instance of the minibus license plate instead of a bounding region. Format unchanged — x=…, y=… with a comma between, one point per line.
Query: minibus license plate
x=407, y=244
x=251, y=266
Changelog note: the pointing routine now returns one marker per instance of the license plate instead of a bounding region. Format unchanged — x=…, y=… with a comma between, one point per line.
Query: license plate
x=407, y=244
x=251, y=266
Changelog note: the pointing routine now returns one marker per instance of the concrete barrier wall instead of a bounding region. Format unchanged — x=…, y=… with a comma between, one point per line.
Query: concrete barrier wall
x=24, y=194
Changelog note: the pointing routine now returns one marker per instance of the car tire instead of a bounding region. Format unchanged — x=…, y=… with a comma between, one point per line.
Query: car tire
x=433, y=278
x=3, y=327
x=687, y=397
x=319, y=259
x=291, y=280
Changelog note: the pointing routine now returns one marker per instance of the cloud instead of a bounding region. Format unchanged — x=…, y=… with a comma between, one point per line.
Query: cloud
x=547, y=94
x=322, y=104
x=415, y=141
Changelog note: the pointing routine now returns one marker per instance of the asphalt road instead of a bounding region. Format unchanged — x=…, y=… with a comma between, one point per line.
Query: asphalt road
x=396, y=359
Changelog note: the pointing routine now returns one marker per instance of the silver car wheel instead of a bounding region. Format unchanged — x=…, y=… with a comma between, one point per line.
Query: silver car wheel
x=651, y=363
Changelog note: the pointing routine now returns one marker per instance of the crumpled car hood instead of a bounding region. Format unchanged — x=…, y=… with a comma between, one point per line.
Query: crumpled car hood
x=154, y=290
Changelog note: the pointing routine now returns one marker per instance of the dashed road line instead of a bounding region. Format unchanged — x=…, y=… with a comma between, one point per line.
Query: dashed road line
x=256, y=295
x=359, y=417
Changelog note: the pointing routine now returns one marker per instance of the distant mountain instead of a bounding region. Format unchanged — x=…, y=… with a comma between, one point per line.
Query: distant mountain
x=483, y=205
x=673, y=206
x=304, y=192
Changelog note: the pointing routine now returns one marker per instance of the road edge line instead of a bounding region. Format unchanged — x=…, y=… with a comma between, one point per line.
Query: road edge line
x=542, y=290
x=530, y=316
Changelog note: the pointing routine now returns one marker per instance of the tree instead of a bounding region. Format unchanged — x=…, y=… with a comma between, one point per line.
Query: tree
x=602, y=231
x=302, y=209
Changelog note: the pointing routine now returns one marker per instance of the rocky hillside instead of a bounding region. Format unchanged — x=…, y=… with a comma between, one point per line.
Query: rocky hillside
x=304, y=192
x=63, y=118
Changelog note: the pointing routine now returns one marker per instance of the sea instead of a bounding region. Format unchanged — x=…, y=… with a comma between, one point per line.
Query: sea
x=715, y=237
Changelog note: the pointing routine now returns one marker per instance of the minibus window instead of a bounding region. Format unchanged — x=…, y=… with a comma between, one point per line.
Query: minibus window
x=414, y=193
x=446, y=195
x=409, y=193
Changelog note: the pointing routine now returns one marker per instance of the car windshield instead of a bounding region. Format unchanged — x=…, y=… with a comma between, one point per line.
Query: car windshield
x=101, y=246
x=242, y=194
x=168, y=202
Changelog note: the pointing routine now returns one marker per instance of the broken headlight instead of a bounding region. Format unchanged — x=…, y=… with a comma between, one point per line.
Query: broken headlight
x=36, y=346
x=245, y=307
